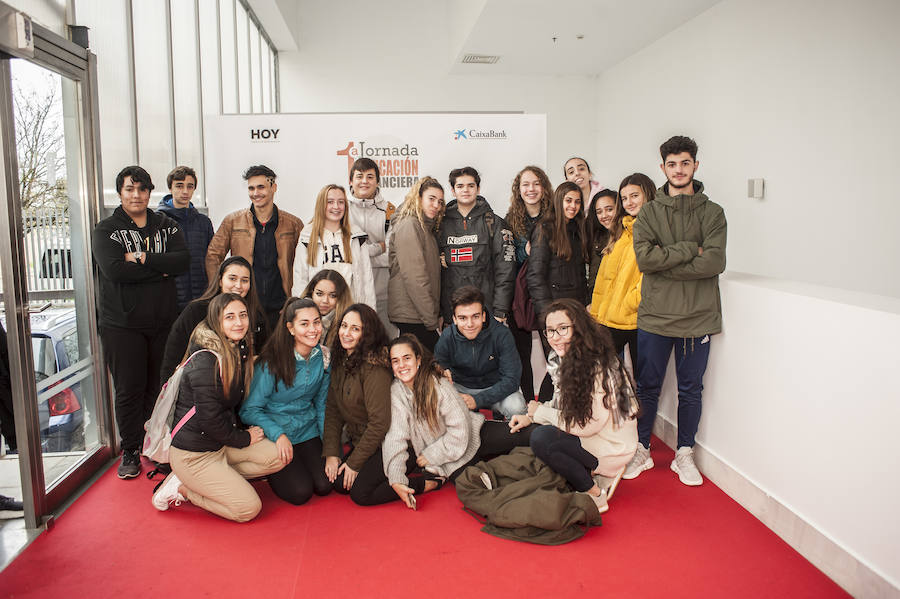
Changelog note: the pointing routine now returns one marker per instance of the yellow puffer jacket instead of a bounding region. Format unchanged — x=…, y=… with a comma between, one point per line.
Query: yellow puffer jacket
x=617, y=292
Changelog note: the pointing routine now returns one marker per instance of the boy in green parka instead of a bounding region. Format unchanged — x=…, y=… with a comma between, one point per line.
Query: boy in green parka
x=679, y=243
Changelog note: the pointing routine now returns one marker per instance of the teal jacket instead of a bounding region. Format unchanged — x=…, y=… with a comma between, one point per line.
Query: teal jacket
x=297, y=411
x=680, y=289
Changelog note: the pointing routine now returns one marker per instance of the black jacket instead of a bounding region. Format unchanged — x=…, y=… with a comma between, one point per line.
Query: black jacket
x=180, y=335
x=215, y=424
x=477, y=250
x=549, y=276
x=133, y=295
x=198, y=231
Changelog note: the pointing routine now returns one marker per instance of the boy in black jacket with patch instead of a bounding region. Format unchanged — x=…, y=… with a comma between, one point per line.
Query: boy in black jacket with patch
x=138, y=252
x=476, y=248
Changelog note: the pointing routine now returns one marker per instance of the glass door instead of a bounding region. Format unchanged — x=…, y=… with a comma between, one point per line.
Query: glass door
x=48, y=309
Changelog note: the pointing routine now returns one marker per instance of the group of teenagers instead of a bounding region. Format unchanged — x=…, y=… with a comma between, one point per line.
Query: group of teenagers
x=362, y=353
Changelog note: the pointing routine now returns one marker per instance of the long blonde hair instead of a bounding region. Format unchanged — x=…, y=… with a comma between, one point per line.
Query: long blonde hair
x=318, y=225
x=412, y=205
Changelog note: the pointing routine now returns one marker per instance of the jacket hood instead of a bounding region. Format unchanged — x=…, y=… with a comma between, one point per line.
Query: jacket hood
x=692, y=200
x=307, y=231
x=481, y=207
x=167, y=205
x=204, y=337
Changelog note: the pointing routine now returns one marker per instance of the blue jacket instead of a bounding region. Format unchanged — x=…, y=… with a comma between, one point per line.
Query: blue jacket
x=198, y=231
x=297, y=411
x=489, y=362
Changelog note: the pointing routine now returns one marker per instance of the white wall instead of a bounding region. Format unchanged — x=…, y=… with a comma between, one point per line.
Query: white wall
x=799, y=396
x=803, y=406
x=803, y=94
x=350, y=62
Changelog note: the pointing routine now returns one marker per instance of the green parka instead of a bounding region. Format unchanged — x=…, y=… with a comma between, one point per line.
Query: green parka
x=680, y=291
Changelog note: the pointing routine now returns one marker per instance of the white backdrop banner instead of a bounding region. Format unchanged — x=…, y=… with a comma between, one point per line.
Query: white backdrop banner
x=309, y=151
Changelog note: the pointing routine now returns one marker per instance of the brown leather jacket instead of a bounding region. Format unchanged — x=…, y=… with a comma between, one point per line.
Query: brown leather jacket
x=237, y=234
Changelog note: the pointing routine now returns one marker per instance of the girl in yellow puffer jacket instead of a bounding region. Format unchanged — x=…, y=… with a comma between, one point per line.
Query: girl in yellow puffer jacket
x=617, y=291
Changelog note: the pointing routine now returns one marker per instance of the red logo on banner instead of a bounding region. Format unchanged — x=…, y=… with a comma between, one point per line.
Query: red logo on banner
x=461, y=255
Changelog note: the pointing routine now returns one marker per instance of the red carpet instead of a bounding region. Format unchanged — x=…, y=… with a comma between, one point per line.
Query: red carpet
x=659, y=539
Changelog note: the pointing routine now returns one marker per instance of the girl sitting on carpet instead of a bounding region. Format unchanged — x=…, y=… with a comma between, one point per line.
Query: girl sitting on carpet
x=211, y=456
x=589, y=430
x=428, y=412
x=287, y=399
x=358, y=397
x=330, y=292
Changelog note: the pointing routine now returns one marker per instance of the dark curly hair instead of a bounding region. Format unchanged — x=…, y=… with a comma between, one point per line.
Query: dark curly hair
x=591, y=360
x=372, y=346
x=515, y=218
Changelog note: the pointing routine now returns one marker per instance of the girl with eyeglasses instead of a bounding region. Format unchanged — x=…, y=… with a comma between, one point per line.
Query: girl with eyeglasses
x=588, y=429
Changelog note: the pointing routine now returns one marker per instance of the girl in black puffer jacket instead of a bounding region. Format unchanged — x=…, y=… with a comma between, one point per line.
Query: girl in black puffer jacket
x=556, y=267
x=211, y=455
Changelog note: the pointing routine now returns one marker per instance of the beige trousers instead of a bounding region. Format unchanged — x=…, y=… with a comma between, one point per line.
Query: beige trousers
x=216, y=480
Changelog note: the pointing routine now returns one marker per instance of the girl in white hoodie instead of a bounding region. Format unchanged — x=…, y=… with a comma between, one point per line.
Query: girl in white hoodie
x=329, y=242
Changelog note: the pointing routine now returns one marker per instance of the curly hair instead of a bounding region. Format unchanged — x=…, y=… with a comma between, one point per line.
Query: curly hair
x=425, y=395
x=516, y=215
x=372, y=346
x=589, y=362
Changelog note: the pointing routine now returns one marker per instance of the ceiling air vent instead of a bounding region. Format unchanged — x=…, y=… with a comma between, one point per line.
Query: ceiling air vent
x=479, y=59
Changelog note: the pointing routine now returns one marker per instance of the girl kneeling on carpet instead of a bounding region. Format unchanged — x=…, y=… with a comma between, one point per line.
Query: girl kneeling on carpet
x=428, y=412
x=287, y=399
x=589, y=430
x=329, y=291
x=210, y=455
x=358, y=397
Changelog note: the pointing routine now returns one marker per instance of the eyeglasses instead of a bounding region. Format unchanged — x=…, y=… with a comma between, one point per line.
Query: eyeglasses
x=562, y=331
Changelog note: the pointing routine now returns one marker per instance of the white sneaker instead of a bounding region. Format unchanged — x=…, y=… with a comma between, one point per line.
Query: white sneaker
x=600, y=502
x=167, y=492
x=683, y=465
x=640, y=462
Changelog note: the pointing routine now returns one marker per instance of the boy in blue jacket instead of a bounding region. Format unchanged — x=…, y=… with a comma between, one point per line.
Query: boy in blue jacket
x=480, y=354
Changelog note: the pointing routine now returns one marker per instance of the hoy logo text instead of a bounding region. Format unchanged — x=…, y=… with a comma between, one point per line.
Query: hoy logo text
x=271, y=134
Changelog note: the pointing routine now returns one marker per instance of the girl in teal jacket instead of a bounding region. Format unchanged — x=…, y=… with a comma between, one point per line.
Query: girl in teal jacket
x=287, y=400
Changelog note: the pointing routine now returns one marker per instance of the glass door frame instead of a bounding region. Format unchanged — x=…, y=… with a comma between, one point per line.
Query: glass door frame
x=55, y=53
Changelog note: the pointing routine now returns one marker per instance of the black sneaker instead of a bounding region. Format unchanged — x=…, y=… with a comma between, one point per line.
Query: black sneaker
x=130, y=466
x=8, y=504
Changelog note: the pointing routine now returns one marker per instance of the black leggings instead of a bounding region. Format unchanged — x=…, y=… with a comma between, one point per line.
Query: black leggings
x=621, y=338
x=368, y=489
x=565, y=455
x=373, y=490
x=303, y=476
x=523, y=346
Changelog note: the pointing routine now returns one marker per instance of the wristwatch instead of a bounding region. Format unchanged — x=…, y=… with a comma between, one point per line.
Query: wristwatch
x=138, y=255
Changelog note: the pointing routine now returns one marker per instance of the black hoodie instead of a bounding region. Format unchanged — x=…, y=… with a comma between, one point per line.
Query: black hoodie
x=133, y=295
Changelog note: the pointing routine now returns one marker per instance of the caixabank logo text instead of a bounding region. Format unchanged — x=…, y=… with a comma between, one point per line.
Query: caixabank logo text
x=398, y=163
x=479, y=134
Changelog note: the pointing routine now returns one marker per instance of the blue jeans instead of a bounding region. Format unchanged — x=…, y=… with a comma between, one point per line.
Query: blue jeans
x=512, y=404
x=691, y=357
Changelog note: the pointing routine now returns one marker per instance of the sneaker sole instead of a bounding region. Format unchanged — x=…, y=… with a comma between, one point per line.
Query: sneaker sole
x=690, y=483
x=643, y=467
x=125, y=476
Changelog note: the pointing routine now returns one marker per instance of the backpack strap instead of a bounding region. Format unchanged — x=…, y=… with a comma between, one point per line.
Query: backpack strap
x=184, y=420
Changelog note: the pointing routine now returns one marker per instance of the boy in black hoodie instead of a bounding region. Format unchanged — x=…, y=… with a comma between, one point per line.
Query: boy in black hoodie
x=138, y=252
